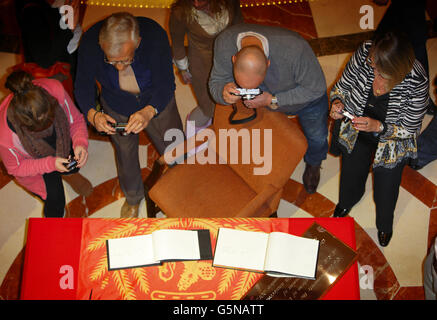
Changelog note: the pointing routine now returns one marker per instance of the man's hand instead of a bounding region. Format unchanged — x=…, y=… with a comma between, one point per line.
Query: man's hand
x=140, y=120
x=228, y=91
x=262, y=100
x=100, y=121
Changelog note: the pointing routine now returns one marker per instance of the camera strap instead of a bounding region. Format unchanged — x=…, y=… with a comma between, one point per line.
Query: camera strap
x=240, y=121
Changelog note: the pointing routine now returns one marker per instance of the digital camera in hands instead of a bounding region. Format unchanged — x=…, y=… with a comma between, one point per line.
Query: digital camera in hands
x=248, y=94
x=120, y=127
x=71, y=164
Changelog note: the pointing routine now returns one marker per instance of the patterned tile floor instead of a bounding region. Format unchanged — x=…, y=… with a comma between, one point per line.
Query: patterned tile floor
x=334, y=35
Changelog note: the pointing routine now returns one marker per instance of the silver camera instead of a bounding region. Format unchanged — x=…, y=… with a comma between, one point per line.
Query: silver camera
x=248, y=94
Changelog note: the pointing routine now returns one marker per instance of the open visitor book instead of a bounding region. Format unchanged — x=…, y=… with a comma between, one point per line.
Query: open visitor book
x=334, y=260
x=277, y=254
x=157, y=247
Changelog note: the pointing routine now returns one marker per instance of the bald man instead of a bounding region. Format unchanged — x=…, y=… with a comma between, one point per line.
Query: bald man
x=284, y=67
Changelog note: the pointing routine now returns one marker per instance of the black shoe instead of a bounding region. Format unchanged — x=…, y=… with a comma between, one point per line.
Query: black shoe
x=415, y=167
x=340, y=213
x=384, y=238
x=311, y=178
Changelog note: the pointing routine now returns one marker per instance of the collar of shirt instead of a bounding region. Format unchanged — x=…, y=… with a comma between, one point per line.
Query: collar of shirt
x=211, y=25
x=264, y=41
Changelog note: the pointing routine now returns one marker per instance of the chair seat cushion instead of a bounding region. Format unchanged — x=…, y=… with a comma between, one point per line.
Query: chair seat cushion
x=210, y=190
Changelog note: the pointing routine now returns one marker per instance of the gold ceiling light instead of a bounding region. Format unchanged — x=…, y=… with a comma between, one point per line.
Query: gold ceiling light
x=150, y=4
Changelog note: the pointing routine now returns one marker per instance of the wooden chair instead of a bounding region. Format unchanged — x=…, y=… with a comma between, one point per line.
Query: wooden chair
x=229, y=189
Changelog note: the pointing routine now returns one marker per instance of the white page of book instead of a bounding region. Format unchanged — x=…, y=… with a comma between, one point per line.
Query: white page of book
x=292, y=255
x=176, y=245
x=131, y=252
x=240, y=249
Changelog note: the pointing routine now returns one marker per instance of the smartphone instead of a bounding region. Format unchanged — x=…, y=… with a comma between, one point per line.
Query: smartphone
x=347, y=114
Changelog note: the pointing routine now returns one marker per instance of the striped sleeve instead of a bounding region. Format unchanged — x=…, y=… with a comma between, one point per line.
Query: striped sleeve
x=352, y=74
x=417, y=99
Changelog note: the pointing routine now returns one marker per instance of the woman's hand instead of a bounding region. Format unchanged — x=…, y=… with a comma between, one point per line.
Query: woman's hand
x=186, y=76
x=336, y=109
x=81, y=155
x=366, y=124
x=59, y=164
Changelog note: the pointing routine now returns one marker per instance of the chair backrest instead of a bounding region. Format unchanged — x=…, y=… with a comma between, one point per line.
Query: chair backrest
x=271, y=161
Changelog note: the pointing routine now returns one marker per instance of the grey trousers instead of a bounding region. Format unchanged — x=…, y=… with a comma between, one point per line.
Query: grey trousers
x=430, y=276
x=126, y=148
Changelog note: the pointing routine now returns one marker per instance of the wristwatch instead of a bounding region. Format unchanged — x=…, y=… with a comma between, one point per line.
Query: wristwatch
x=274, y=104
x=156, y=111
x=381, y=127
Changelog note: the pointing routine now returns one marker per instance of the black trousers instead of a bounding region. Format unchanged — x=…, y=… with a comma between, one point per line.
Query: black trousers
x=54, y=204
x=355, y=169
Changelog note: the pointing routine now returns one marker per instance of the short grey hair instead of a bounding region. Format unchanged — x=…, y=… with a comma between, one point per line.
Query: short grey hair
x=116, y=30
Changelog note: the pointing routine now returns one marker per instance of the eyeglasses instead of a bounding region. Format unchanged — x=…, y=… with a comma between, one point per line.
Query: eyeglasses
x=123, y=62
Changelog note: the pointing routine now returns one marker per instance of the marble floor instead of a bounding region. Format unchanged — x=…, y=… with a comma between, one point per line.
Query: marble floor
x=333, y=30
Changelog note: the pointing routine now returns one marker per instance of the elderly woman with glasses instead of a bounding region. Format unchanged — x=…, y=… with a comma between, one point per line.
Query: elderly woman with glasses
x=378, y=103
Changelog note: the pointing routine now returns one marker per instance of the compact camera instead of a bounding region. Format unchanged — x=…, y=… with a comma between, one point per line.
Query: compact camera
x=71, y=164
x=248, y=94
x=120, y=127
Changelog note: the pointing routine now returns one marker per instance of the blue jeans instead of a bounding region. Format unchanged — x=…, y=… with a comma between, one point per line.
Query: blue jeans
x=314, y=121
x=427, y=144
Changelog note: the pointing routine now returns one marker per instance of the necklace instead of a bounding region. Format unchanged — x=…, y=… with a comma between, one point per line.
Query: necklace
x=379, y=87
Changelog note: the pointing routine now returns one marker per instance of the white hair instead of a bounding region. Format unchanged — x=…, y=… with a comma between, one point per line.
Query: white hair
x=116, y=30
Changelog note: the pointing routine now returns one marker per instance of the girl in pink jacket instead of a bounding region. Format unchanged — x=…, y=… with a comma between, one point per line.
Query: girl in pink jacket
x=41, y=130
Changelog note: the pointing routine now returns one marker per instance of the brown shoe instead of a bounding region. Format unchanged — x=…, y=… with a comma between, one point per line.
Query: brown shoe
x=129, y=211
x=79, y=183
x=311, y=178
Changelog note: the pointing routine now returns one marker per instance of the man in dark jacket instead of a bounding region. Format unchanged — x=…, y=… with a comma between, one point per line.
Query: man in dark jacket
x=131, y=60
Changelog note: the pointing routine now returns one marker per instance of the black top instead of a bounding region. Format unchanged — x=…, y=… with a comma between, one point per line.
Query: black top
x=376, y=108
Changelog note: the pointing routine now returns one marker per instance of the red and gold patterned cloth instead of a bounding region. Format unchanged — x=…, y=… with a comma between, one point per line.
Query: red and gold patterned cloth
x=182, y=280
x=67, y=259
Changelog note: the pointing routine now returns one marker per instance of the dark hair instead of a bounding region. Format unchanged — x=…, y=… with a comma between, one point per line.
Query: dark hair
x=393, y=55
x=32, y=106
